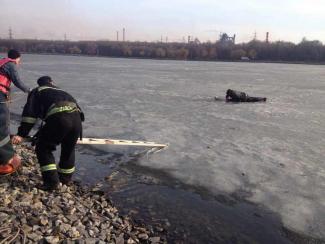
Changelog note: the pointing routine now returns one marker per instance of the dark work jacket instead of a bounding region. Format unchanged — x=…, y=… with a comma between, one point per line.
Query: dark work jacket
x=39, y=102
x=236, y=96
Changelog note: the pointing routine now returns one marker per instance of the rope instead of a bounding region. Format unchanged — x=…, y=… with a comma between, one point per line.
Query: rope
x=9, y=239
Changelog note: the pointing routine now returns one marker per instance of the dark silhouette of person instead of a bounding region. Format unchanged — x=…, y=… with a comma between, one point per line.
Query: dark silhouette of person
x=237, y=96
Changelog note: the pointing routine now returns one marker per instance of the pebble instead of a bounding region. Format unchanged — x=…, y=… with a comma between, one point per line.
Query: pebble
x=72, y=214
x=143, y=236
x=52, y=239
x=154, y=239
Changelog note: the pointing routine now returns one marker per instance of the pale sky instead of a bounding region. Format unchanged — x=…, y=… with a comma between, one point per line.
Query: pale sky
x=149, y=20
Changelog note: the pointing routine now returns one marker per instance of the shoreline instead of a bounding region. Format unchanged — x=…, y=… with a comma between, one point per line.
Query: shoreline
x=196, y=215
x=72, y=213
x=186, y=60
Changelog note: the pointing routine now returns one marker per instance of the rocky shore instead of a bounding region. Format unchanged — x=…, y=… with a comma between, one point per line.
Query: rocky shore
x=72, y=214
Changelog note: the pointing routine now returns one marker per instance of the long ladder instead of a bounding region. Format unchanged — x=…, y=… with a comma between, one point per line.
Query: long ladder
x=98, y=141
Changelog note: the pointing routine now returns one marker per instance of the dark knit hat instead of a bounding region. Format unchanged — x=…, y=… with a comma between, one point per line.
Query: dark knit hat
x=44, y=81
x=13, y=54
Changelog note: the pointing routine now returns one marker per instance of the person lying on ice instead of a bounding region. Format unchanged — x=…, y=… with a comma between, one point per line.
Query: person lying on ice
x=9, y=161
x=62, y=116
x=237, y=96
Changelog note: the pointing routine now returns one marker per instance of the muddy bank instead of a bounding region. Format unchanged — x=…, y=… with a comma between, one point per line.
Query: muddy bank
x=193, y=214
x=77, y=213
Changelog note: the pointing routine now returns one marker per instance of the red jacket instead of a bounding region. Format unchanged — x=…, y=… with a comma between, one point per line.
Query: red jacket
x=5, y=82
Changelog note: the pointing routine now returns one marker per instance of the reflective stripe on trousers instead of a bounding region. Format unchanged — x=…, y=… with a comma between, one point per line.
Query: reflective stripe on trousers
x=48, y=167
x=4, y=141
x=66, y=171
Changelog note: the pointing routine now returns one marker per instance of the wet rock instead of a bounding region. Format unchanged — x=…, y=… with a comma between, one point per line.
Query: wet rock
x=159, y=229
x=154, y=239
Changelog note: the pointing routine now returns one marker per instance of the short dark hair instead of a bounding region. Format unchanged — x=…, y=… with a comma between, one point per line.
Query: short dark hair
x=44, y=80
x=13, y=54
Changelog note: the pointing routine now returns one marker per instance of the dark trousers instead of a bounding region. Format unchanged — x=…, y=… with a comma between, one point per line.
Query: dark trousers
x=61, y=128
x=6, y=148
x=247, y=99
x=255, y=99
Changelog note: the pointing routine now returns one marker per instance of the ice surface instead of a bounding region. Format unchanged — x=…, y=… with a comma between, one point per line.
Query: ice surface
x=273, y=150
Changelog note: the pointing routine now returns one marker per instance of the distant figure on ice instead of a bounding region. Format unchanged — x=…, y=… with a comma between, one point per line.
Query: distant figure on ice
x=237, y=96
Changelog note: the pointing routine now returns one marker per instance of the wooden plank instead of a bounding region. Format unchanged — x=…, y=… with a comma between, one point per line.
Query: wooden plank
x=118, y=142
x=98, y=141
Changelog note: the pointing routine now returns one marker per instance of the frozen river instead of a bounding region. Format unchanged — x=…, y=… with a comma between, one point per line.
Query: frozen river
x=257, y=167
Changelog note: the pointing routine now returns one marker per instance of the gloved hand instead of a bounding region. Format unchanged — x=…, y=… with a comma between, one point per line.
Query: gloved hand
x=16, y=139
x=82, y=116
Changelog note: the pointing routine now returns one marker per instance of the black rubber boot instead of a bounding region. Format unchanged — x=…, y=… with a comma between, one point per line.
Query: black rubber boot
x=51, y=180
x=65, y=179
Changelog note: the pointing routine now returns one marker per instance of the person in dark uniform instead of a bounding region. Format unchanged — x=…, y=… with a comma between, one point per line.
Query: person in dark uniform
x=9, y=161
x=237, y=96
x=63, y=125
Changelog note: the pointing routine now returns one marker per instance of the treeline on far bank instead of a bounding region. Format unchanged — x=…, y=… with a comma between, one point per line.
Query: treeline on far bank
x=280, y=51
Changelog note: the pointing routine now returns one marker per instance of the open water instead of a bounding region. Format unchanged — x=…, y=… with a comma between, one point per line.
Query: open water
x=233, y=173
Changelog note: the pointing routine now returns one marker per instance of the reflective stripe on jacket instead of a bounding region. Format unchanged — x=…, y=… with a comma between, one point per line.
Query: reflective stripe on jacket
x=43, y=102
x=67, y=107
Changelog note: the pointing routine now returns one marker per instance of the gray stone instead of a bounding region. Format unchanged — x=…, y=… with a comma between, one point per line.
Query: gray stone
x=44, y=220
x=120, y=239
x=130, y=241
x=34, y=237
x=74, y=233
x=36, y=227
x=72, y=218
x=143, y=236
x=90, y=240
x=27, y=228
x=154, y=239
x=52, y=239
x=38, y=205
x=64, y=228
x=91, y=233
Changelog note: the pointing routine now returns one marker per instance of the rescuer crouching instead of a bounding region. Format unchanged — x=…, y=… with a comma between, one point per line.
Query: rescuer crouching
x=62, y=118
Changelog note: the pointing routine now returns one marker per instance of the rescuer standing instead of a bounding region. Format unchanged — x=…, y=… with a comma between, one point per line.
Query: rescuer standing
x=9, y=162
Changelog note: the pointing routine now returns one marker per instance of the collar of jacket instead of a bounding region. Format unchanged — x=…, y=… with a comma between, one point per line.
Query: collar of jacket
x=41, y=88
